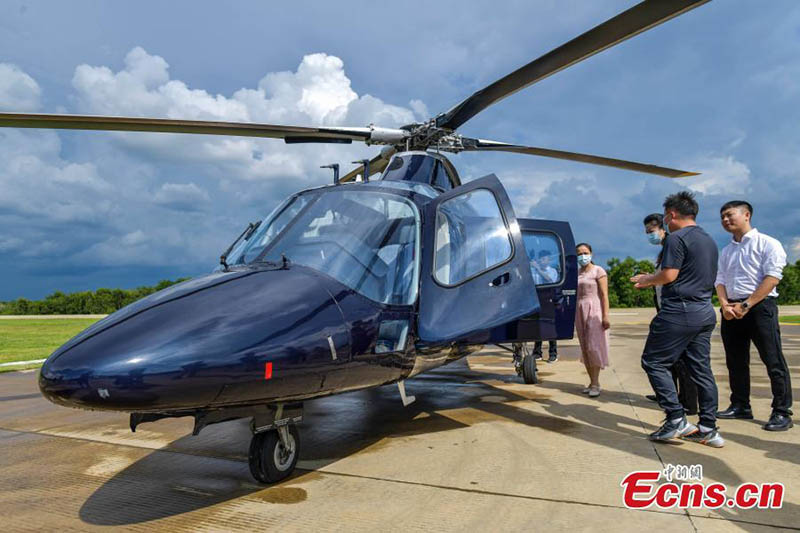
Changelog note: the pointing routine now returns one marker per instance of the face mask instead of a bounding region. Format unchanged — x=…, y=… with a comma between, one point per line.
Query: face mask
x=666, y=225
x=654, y=238
x=584, y=259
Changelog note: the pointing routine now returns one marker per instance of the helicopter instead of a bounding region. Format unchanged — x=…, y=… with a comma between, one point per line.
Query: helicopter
x=356, y=284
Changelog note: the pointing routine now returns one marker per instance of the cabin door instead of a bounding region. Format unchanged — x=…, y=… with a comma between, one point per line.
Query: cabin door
x=553, y=264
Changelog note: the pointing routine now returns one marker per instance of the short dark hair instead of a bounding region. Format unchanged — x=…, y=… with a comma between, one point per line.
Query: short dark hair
x=654, y=218
x=683, y=202
x=545, y=253
x=737, y=203
x=586, y=244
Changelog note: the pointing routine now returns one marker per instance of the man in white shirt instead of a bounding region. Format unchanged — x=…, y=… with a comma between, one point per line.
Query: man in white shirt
x=749, y=270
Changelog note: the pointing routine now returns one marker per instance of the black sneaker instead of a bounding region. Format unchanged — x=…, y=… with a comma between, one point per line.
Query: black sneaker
x=709, y=438
x=671, y=430
x=537, y=356
x=553, y=358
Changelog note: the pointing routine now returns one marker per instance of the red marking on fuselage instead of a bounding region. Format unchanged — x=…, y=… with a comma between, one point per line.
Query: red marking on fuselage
x=268, y=370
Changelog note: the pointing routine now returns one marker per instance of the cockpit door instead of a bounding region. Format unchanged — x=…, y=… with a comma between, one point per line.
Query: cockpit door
x=475, y=272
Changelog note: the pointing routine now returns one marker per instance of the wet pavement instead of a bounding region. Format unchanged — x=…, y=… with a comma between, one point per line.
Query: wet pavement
x=478, y=449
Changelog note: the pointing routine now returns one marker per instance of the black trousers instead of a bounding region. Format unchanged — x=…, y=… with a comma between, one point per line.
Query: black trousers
x=552, y=348
x=666, y=344
x=687, y=390
x=759, y=325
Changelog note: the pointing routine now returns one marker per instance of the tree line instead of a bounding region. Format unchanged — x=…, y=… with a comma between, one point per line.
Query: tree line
x=622, y=294
x=104, y=301
x=99, y=302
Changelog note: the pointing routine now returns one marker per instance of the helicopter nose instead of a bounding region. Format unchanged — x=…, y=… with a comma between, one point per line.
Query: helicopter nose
x=179, y=352
x=106, y=384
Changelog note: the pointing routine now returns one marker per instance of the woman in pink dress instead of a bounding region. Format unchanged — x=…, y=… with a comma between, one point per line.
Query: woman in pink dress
x=591, y=321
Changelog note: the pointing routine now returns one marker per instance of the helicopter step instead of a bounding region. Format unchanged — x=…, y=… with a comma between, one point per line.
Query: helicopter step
x=275, y=445
x=407, y=400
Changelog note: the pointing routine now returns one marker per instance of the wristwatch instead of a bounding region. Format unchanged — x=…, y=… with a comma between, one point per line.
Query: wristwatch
x=745, y=305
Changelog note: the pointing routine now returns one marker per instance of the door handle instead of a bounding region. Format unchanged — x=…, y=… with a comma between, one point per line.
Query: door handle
x=502, y=279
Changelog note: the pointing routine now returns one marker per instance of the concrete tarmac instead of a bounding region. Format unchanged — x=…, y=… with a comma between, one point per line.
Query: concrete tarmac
x=477, y=451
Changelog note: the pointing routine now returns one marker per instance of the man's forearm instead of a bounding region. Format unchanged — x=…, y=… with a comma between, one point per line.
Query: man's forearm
x=659, y=278
x=763, y=290
x=722, y=294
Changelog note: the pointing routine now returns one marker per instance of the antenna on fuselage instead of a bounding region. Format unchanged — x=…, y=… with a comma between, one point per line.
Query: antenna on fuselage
x=364, y=162
x=335, y=167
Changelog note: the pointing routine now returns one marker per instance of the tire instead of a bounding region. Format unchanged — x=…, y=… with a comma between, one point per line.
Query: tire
x=529, y=369
x=268, y=463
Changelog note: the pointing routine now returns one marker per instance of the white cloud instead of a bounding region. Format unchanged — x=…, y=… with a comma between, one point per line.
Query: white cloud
x=719, y=175
x=18, y=91
x=137, y=199
x=318, y=93
x=794, y=248
x=181, y=196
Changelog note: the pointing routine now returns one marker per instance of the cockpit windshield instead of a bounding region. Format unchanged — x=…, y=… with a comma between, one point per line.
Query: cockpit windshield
x=367, y=240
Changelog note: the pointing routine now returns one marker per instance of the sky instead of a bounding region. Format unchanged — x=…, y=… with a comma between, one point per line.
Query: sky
x=716, y=90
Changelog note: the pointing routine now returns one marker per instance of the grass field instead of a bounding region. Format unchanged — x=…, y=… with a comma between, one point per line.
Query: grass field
x=31, y=338
x=791, y=319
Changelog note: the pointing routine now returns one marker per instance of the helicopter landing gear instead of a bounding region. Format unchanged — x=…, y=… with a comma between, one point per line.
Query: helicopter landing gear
x=525, y=363
x=275, y=446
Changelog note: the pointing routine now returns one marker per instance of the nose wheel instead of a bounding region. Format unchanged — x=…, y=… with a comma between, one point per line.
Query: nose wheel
x=275, y=446
x=273, y=454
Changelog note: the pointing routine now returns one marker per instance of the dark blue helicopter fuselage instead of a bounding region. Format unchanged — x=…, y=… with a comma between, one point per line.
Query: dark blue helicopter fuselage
x=254, y=335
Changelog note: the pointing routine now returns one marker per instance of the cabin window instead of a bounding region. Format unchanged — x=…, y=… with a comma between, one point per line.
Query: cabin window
x=546, y=257
x=471, y=237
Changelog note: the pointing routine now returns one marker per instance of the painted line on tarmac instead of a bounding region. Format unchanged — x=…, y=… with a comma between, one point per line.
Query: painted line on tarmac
x=21, y=363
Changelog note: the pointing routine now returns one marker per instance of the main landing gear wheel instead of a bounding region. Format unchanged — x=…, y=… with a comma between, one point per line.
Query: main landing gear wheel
x=529, y=373
x=273, y=454
x=525, y=363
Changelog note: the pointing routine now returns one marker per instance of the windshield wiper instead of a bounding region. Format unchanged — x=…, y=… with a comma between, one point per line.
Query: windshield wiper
x=247, y=233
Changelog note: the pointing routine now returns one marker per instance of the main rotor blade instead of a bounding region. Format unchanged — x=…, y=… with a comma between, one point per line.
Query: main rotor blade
x=291, y=134
x=481, y=145
x=376, y=164
x=627, y=24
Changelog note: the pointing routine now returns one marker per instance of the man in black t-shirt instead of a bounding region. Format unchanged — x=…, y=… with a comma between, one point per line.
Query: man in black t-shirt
x=684, y=324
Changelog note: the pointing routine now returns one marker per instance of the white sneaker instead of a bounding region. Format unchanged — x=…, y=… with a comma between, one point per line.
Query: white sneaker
x=586, y=389
x=594, y=392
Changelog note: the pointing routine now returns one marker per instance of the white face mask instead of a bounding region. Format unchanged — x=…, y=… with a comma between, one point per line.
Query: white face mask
x=584, y=259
